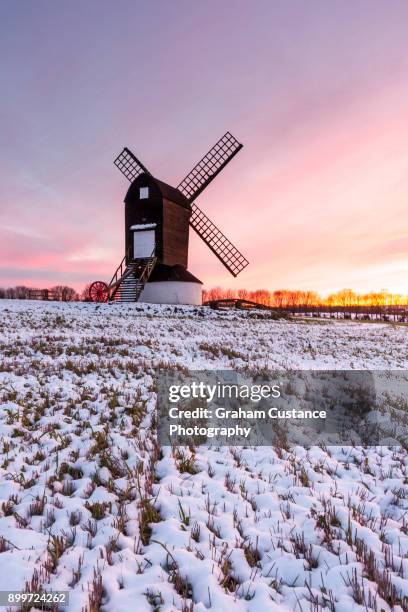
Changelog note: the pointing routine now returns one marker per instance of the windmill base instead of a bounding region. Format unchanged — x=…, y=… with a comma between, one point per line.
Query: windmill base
x=171, y=292
x=172, y=285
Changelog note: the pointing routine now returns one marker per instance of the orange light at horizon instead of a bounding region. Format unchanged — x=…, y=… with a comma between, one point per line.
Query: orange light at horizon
x=293, y=298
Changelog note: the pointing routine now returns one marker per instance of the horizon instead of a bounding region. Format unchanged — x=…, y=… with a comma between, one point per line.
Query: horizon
x=369, y=297
x=317, y=194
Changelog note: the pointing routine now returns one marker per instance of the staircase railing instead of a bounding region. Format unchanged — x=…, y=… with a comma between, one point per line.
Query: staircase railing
x=145, y=266
x=119, y=272
x=147, y=270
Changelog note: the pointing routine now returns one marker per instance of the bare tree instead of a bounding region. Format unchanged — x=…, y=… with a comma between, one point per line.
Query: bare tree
x=243, y=294
x=279, y=298
x=11, y=293
x=85, y=293
x=64, y=293
x=21, y=292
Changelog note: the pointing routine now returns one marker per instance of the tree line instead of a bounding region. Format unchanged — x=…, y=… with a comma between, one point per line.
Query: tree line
x=62, y=293
x=281, y=298
x=284, y=298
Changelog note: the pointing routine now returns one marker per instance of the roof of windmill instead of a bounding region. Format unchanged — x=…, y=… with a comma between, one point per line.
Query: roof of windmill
x=167, y=191
x=172, y=194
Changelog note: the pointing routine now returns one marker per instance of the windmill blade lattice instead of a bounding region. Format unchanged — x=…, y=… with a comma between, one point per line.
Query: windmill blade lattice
x=219, y=244
x=209, y=166
x=129, y=165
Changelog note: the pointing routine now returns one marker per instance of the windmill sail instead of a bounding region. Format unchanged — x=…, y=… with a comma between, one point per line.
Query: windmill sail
x=219, y=244
x=129, y=165
x=209, y=166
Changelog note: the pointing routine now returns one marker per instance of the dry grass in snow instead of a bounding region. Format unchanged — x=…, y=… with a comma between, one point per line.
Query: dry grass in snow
x=90, y=503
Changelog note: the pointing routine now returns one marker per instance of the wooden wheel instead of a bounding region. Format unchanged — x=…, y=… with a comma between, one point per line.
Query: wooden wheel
x=97, y=292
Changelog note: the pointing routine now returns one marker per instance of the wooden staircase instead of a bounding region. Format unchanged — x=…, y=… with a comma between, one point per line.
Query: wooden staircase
x=129, y=279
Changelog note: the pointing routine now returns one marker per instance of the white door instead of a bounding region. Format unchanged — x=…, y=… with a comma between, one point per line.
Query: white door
x=143, y=243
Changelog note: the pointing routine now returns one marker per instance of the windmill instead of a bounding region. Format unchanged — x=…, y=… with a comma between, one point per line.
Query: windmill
x=157, y=221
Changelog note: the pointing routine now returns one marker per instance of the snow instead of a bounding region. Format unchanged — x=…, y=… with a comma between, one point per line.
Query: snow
x=143, y=226
x=87, y=495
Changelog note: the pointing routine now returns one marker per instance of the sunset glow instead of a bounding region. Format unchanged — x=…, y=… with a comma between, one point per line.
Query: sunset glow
x=317, y=93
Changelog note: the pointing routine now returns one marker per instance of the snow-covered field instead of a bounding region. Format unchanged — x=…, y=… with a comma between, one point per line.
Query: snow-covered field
x=90, y=503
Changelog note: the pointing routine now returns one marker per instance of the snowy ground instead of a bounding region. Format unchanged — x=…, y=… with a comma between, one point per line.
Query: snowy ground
x=90, y=503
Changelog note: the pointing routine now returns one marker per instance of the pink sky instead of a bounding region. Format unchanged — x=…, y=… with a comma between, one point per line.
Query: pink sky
x=317, y=199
